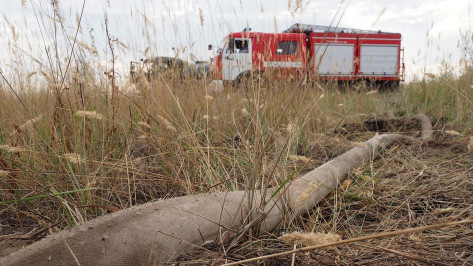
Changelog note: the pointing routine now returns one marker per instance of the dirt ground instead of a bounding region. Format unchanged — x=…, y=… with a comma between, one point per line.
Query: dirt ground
x=405, y=187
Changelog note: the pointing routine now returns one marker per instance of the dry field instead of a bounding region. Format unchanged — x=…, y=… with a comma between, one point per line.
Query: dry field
x=406, y=187
x=76, y=144
x=62, y=166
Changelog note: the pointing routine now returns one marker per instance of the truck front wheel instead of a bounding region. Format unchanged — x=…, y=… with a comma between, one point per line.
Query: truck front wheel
x=249, y=79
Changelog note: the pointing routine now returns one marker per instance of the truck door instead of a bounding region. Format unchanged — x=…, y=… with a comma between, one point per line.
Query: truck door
x=288, y=56
x=236, y=58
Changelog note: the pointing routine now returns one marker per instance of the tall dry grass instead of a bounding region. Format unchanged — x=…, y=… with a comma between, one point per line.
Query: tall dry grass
x=77, y=136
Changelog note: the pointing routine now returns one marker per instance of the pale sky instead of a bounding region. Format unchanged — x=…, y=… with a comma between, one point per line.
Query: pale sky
x=431, y=29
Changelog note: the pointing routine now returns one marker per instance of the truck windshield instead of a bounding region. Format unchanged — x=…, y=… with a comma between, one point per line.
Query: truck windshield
x=237, y=46
x=230, y=46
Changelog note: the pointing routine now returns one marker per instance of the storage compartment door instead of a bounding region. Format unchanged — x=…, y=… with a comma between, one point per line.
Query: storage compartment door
x=333, y=59
x=379, y=60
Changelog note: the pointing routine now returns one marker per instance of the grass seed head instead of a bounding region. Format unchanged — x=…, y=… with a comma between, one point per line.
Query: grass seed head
x=4, y=173
x=201, y=17
x=430, y=75
x=28, y=125
x=310, y=239
x=31, y=74
x=290, y=128
x=303, y=159
x=12, y=149
x=167, y=124
x=89, y=115
x=345, y=184
x=452, y=133
x=73, y=158
x=372, y=92
x=144, y=124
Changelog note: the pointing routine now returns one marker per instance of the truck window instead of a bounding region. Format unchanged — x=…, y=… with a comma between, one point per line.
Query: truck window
x=241, y=46
x=288, y=48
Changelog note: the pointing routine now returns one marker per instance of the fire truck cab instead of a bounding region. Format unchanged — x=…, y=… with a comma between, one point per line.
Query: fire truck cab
x=319, y=52
x=247, y=52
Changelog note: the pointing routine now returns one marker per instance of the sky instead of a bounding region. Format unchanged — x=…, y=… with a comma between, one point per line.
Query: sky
x=431, y=29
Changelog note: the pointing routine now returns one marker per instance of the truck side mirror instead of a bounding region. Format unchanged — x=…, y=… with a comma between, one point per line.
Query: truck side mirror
x=210, y=47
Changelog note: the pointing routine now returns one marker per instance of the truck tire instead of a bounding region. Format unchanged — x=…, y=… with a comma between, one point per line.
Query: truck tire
x=248, y=79
x=396, y=85
x=390, y=85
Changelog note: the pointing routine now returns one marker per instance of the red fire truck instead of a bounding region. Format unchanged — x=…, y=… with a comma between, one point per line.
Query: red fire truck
x=318, y=52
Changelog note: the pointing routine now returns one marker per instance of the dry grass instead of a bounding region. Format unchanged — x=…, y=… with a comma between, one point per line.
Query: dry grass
x=76, y=144
x=405, y=188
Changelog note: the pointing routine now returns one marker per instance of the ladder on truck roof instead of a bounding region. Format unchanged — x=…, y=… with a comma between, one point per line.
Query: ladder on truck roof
x=307, y=28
